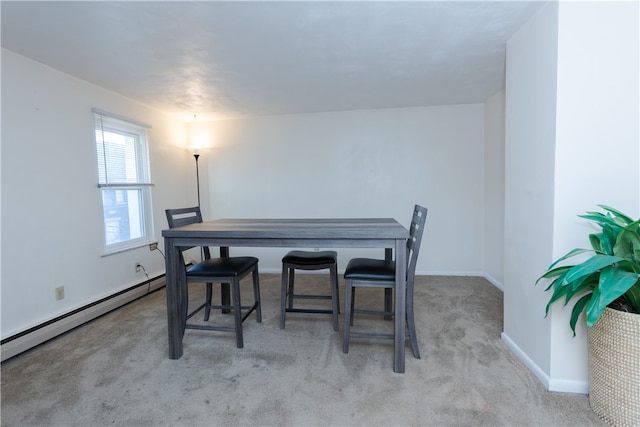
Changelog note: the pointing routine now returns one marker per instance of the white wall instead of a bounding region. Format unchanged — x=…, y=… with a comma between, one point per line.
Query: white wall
x=52, y=232
x=529, y=178
x=597, y=141
x=494, y=189
x=359, y=163
x=572, y=141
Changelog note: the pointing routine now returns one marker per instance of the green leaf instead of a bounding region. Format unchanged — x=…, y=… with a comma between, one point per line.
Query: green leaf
x=598, y=242
x=570, y=254
x=558, y=271
x=617, y=214
x=570, y=290
x=590, y=266
x=584, y=283
x=609, y=236
x=557, y=282
x=612, y=285
x=603, y=220
x=578, y=308
x=558, y=292
x=629, y=265
x=627, y=243
x=633, y=296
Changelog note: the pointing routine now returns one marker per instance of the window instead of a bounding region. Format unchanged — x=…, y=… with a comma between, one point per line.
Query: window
x=124, y=181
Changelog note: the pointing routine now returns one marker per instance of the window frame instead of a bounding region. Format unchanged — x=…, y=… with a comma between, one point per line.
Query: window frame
x=140, y=185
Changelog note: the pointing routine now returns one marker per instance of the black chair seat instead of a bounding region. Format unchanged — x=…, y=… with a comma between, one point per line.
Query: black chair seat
x=223, y=267
x=370, y=269
x=307, y=260
x=310, y=258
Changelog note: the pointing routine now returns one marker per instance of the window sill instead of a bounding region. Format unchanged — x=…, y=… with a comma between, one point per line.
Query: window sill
x=127, y=248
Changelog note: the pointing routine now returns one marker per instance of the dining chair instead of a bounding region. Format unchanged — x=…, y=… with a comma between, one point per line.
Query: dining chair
x=223, y=270
x=306, y=260
x=375, y=273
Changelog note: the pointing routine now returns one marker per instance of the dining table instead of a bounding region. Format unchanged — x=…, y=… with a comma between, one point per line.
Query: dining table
x=384, y=233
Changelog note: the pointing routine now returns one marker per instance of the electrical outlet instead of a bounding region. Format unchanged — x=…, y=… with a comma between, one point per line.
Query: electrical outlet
x=153, y=246
x=59, y=293
x=138, y=267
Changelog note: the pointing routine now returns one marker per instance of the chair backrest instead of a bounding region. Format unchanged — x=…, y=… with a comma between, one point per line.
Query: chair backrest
x=185, y=216
x=415, y=238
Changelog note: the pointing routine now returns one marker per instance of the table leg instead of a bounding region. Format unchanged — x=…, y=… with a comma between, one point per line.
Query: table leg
x=388, y=293
x=174, y=320
x=400, y=312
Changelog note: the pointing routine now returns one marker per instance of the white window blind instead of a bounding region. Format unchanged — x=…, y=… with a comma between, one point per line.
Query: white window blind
x=124, y=180
x=121, y=147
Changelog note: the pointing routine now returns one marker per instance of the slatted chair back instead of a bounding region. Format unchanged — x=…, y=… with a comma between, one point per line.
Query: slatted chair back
x=185, y=216
x=415, y=239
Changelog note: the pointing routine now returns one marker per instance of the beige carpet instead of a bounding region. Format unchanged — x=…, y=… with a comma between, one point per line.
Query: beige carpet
x=115, y=370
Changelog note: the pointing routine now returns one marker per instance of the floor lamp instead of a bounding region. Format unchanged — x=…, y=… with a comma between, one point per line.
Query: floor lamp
x=196, y=155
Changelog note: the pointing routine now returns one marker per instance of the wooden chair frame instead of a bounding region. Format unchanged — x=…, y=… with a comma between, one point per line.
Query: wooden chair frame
x=185, y=216
x=413, y=247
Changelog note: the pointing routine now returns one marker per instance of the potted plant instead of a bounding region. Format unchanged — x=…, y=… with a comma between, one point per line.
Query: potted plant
x=606, y=287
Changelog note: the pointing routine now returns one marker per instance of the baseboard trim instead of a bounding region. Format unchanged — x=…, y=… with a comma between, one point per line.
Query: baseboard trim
x=39, y=334
x=449, y=273
x=494, y=282
x=526, y=360
x=551, y=384
x=569, y=386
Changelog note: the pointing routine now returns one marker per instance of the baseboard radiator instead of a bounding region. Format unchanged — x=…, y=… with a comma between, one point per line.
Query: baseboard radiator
x=23, y=341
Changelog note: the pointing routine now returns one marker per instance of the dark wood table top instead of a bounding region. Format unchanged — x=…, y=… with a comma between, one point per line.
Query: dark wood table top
x=280, y=228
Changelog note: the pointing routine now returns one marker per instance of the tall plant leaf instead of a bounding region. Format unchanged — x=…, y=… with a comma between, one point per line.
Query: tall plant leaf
x=617, y=214
x=628, y=243
x=568, y=255
x=604, y=220
x=590, y=266
x=609, y=236
x=555, y=272
x=612, y=285
x=598, y=243
x=570, y=290
x=578, y=308
x=633, y=297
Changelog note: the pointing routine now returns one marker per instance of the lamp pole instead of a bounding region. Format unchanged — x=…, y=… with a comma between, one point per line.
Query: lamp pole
x=195, y=156
x=197, y=176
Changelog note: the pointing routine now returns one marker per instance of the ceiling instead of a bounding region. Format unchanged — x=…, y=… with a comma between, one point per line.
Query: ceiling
x=229, y=59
